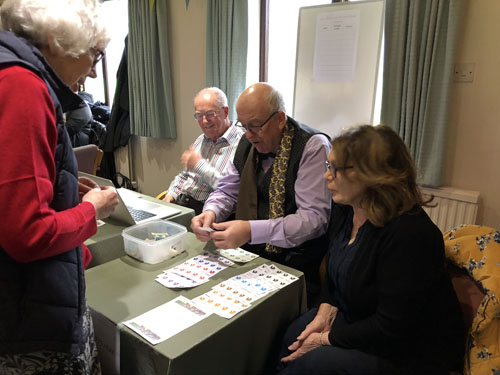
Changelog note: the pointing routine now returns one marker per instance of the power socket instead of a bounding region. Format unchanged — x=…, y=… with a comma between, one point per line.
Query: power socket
x=464, y=72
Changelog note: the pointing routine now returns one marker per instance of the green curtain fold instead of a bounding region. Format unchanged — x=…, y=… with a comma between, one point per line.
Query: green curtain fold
x=420, y=44
x=150, y=82
x=227, y=41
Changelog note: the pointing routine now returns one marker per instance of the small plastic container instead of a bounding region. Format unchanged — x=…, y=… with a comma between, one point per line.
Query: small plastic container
x=146, y=241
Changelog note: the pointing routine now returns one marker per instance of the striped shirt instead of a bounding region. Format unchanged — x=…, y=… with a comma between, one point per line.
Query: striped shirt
x=204, y=177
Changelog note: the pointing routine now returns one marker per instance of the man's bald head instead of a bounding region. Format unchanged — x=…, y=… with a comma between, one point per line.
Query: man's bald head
x=261, y=111
x=261, y=95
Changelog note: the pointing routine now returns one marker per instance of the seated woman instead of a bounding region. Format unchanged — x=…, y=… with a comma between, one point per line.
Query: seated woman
x=390, y=307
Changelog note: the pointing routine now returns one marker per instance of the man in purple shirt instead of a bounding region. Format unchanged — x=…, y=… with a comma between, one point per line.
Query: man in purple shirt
x=276, y=187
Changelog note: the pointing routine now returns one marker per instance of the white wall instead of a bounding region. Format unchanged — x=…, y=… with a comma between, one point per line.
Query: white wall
x=157, y=161
x=474, y=141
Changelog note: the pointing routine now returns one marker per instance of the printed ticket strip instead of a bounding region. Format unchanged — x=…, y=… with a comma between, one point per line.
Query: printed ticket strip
x=237, y=255
x=194, y=271
x=236, y=294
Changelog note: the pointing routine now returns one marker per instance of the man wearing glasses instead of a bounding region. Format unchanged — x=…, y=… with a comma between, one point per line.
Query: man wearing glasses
x=276, y=187
x=206, y=161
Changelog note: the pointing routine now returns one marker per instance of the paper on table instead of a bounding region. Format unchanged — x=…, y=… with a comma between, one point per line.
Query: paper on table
x=269, y=273
x=237, y=255
x=223, y=304
x=234, y=295
x=173, y=280
x=194, y=271
x=167, y=320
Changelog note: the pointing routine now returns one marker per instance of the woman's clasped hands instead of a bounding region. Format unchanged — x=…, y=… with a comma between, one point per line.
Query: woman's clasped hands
x=315, y=334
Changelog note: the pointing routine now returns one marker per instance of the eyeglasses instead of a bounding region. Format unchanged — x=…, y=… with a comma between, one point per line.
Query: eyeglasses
x=255, y=128
x=208, y=115
x=334, y=169
x=98, y=57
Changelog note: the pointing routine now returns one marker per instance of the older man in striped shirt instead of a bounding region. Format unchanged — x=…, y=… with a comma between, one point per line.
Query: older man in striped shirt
x=206, y=161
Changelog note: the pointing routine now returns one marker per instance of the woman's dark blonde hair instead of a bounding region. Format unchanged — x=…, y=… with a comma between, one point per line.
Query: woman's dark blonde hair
x=384, y=166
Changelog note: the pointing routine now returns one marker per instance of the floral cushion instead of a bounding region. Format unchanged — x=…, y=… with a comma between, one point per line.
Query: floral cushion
x=477, y=250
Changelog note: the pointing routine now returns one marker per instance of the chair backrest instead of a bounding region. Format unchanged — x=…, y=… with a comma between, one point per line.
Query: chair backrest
x=468, y=293
x=89, y=158
x=162, y=194
x=475, y=252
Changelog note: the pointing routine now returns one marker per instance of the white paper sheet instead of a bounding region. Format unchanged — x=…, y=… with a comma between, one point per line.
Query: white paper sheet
x=167, y=320
x=336, y=46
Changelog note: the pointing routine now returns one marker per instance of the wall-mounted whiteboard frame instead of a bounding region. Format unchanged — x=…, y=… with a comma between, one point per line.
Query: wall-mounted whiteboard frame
x=331, y=102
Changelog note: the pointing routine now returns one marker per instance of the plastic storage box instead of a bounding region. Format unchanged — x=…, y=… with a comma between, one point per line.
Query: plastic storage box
x=147, y=242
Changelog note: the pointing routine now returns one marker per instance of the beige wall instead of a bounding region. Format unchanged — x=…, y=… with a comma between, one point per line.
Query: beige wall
x=157, y=161
x=474, y=142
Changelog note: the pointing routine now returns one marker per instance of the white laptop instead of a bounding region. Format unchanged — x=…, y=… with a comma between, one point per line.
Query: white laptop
x=132, y=208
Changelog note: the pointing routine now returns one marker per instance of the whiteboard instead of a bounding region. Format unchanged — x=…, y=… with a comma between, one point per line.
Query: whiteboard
x=338, y=52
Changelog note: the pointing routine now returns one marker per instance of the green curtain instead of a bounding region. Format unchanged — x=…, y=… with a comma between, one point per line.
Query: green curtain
x=420, y=43
x=150, y=82
x=227, y=40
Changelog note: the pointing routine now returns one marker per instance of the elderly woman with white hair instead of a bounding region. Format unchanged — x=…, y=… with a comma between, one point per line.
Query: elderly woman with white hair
x=45, y=325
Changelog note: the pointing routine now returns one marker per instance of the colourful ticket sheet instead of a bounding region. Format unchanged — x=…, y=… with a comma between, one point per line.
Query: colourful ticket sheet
x=173, y=280
x=223, y=304
x=194, y=271
x=237, y=255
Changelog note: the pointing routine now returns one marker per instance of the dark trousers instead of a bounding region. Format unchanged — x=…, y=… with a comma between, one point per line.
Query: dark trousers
x=331, y=360
x=190, y=202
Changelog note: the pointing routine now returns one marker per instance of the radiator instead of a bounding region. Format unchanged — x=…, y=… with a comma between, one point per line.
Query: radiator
x=453, y=206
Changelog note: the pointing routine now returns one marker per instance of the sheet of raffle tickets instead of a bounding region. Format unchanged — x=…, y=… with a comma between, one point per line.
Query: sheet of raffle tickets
x=194, y=271
x=236, y=294
x=237, y=255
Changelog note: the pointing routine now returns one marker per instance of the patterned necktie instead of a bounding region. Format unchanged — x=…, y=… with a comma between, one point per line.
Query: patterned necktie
x=277, y=185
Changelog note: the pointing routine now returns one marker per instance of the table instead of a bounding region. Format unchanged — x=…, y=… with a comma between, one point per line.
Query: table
x=107, y=243
x=125, y=288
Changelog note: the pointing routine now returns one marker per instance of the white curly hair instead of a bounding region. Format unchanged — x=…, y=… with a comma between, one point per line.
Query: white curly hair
x=75, y=26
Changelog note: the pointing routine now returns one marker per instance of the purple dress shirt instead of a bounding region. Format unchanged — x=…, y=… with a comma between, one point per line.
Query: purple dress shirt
x=312, y=197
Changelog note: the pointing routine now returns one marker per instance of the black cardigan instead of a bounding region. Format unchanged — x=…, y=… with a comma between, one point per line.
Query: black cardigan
x=399, y=303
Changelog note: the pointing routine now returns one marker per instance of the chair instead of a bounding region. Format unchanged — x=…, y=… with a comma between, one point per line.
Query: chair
x=473, y=255
x=88, y=158
x=162, y=195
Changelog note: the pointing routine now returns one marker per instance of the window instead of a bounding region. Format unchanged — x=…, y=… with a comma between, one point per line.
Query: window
x=283, y=22
x=116, y=10
x=253, y=42
x=282, y=30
